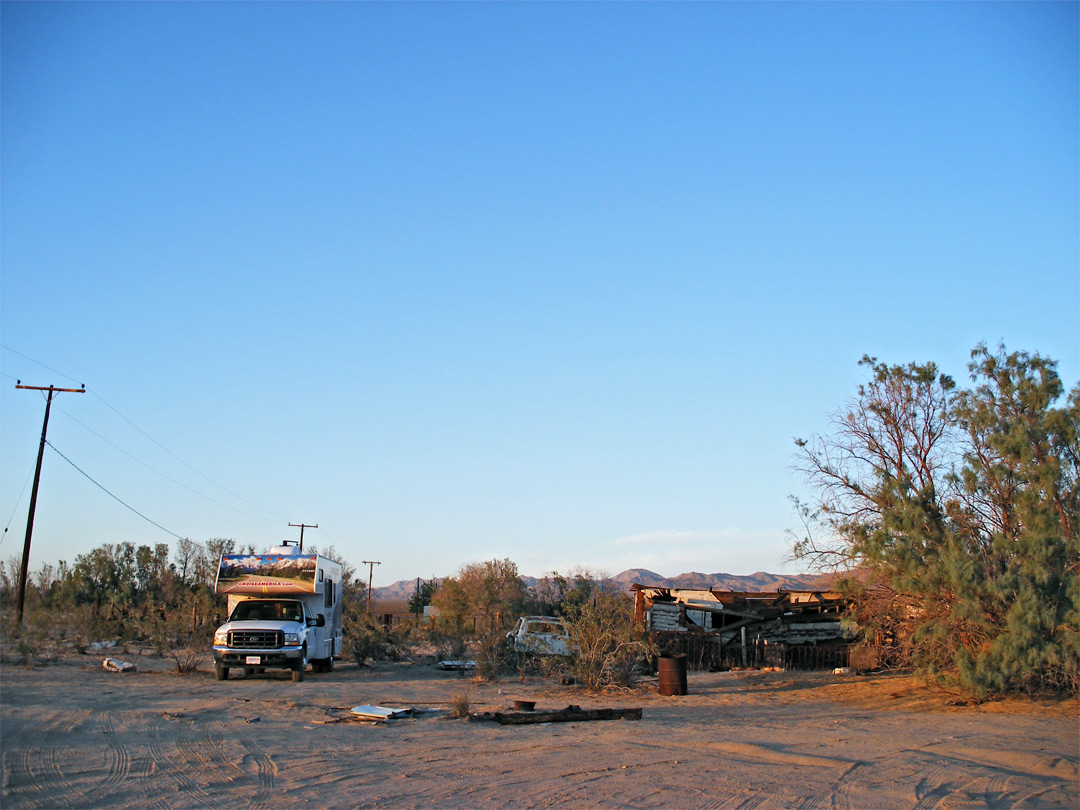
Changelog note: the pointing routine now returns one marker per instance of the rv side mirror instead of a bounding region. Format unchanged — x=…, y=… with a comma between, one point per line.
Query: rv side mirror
x=320, y=621
x=217, y=619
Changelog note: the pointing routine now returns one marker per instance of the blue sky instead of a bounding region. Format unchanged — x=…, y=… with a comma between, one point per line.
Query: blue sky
x=553, y=282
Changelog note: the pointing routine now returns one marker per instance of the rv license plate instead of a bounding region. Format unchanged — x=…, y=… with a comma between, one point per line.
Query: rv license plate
x=253, y=659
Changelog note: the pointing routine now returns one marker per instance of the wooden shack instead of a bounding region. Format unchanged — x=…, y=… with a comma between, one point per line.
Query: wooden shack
x=801, y=629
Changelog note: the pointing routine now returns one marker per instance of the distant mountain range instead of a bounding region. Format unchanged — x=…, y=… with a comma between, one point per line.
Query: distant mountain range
x=761, y=581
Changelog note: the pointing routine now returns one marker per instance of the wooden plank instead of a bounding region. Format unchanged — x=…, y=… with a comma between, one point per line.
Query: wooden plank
x=568, y=715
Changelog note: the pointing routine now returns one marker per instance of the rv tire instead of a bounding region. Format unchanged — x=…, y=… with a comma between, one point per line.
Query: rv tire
x=220, y=672
x=298, y=670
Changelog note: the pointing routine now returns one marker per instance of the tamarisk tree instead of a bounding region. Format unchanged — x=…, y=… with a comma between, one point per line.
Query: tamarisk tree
x=952, y=515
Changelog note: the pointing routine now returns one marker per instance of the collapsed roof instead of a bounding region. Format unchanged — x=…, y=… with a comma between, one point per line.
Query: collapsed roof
x=791, y=617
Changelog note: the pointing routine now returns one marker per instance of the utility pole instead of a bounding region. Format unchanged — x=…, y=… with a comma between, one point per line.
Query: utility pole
x=371, y=567
x=37, y=478
x=303, y=526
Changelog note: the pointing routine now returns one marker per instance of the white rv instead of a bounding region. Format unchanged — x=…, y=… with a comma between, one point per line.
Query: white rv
x=284, y=612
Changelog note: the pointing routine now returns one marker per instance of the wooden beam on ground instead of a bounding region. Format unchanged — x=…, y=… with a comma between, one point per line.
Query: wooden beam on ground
x=568, y=715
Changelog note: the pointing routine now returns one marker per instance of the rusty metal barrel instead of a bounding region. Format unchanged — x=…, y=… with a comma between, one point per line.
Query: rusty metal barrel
x=672, y=671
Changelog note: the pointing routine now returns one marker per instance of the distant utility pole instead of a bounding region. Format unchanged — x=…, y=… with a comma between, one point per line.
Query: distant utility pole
x=303, y=526
x=371, y=567
x=37, y=478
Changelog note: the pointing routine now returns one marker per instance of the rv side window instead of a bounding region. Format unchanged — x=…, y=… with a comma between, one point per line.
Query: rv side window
x=328, y=590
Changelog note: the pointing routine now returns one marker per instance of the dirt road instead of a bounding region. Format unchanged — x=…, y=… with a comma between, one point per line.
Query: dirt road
x=75, y=736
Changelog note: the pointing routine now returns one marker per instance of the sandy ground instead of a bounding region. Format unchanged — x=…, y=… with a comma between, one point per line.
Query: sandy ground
x=73, y=735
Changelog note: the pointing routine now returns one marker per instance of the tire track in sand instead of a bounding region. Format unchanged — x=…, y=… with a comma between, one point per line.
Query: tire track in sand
x=255, y=763
x=910, y=782
x=826, y=796
x=927, y=779
x=119, y=761
x=33, y=772
x=178, y=770
x=206, y=751
x=266, y=772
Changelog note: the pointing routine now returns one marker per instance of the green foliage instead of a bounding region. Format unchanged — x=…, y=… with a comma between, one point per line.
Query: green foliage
x=954, y=514
x=450, y=644
x=121, y=591
x=366, y=640
x=421, y=598
x=556, y=594
x=483, y=596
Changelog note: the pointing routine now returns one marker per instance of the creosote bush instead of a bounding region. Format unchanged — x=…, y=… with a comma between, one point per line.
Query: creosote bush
x=450, y=644
x=188, y=658
x=459, y=705
x=369, y=640
x=608, y=645
x=493, y=654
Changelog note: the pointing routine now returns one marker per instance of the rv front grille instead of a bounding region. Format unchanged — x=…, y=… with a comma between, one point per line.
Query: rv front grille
x=255, y=639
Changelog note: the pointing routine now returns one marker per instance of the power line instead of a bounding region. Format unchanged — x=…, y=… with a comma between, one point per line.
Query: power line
x=111, y=495
x=39, y=363
x=113, y=408
x=159, y=472
x=121, y=502
x=15, y=508
x=95, y=483
x=193, y=469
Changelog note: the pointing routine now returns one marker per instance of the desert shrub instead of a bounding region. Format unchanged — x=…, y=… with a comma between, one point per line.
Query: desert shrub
x=608, y=644
x=365, y=641
x=187, y=658
x=522, y=662
x=459, y=705
x=368, y=640
x=25, y=648
x=493, y=653
x=50, y=653
x=449, y=644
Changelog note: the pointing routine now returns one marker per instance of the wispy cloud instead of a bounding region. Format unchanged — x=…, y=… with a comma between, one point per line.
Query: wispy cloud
x=670, y=537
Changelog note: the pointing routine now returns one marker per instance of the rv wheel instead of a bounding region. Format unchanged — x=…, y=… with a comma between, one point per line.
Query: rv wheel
x=298, y=671
x=220, y=672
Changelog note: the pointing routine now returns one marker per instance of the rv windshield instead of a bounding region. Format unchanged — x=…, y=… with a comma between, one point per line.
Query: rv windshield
x=268, y=610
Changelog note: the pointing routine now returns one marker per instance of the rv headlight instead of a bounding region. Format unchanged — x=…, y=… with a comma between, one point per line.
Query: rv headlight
x=292, y=638
x=221, y=637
